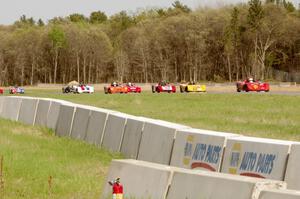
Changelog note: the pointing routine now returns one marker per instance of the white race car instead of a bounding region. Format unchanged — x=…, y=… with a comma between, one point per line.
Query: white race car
x=83, y=89
x=75, y=87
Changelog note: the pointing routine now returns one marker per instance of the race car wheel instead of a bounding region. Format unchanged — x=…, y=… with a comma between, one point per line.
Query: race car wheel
x=153, y=89
x=246, y=88
x=238, y=90
x=181, y=89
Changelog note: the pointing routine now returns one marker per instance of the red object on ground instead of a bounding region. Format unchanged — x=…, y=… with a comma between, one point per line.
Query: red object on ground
x=251, y=85
x=117, y=188
x=12, y=90
x=131, y=88
x=163, y=87
x=1, y=90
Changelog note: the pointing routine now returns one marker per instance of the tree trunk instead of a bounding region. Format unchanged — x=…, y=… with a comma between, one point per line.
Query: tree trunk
x=254, y=64
x=55, y=64
x=89, y=73
x=229, y=67
x=32, y=70
x=78, y=66
x=22, y=74
x=84, y=69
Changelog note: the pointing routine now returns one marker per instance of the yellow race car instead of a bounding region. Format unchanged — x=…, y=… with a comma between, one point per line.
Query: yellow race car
x=192, y=87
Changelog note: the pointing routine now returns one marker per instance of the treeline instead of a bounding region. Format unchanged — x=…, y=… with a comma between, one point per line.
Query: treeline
x=174, y=44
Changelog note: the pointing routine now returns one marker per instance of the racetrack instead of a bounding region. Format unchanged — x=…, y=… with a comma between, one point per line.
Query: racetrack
x=278, y=88
x=274, y=89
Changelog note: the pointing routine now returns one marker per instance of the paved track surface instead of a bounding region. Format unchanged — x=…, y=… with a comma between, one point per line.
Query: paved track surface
x=226, y=88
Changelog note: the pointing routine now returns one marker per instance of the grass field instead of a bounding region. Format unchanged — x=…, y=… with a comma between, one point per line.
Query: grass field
x=254, y=114
x=32, y=154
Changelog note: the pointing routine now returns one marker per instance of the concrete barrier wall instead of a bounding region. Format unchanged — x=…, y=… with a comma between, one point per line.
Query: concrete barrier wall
x=96, y=126
x=199, y=149
x=28, y=110
x=42, y=112
x=65, y=120
x=279, y=194
x=80, y=122
x=157, y=141
x=195, y=184
x=132, y=137
x=141, y=180
x=1, y=104
x=292, y=176
x=11, y=108
x=53, y=114
x=256, y=157
x=114, y=130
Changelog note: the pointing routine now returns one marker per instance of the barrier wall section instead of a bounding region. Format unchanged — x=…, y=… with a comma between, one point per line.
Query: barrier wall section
x=132, y=137
x=279, y=194
x=114, y=129
x=194, y=184
x=1, y=104
x=28, y=110
x=65, y=119
x=139, y=179
x=53, y=114
x=80, y=122
x=256, y=157
x=157, y=141
x=292, y=176
x=42, y=112
x=11, y=108
x=96, y=125
x=199, y=149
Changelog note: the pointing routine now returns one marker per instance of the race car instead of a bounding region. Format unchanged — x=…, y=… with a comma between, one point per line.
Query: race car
x=163, y=86
x=131, y=88
x=16, y=90
x=82, y=88
x=75, y=87
x=252, y=85
x=70, y=87
x=115, y=87
x=192, y=87
x=1, y=90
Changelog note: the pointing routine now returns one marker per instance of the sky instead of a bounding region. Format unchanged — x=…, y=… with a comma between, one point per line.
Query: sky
x=11, y=10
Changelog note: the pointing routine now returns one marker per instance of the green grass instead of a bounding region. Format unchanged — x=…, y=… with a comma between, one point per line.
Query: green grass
x=33, y=154
x=261, y=115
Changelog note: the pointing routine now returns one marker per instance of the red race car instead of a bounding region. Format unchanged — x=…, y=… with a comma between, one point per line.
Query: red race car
x=1, y=90
x=251, y=85
x=16, y=90
x=131, y=88
x=163, y=87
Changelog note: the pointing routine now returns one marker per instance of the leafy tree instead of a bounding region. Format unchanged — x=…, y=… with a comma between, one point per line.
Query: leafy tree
x=40, y=23
x=57, y=37
x=24, y=21
x=289, y=6
x=97, y=17
x=177, y=5
x=77, y=18
x=255, y=14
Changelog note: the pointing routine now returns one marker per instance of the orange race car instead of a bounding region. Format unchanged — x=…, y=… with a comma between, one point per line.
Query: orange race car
x=115, y=87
